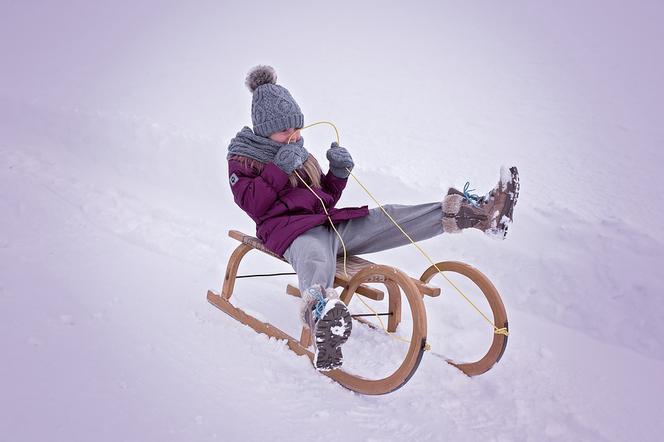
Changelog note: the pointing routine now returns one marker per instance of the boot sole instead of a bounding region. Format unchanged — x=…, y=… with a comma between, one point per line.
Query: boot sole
x=332, y=331
x=512, y=188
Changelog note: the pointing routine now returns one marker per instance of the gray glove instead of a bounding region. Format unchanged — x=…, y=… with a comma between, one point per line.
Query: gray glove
x=340, y=160
x=290, y=157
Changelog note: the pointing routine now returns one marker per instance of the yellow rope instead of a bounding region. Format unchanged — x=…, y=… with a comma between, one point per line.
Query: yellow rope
x=343, y=245
x=328, y=218
x=500, y=331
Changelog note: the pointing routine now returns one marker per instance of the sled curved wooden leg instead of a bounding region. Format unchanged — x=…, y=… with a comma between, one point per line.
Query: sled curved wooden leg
x=395, y=281
x=231, y=269
x=499, y=343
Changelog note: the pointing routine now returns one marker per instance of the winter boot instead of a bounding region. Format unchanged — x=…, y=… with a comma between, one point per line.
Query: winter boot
x=330, y=323
x=491, y=213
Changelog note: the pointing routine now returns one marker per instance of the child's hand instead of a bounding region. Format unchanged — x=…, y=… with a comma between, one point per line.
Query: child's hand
x=290, y=157
x=340, y=160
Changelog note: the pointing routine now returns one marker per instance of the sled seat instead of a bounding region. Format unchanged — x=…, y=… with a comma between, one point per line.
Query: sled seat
x=353, y=265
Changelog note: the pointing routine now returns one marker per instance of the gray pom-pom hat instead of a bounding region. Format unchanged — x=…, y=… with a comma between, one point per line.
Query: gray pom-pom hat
x=273, y=108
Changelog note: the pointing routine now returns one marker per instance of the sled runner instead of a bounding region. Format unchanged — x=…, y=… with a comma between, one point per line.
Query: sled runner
x=359, y=280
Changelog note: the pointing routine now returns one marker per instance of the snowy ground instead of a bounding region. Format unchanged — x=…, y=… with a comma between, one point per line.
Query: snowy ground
x=115, y=205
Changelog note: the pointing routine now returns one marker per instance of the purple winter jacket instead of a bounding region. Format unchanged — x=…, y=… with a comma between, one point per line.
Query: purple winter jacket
x=282, y=212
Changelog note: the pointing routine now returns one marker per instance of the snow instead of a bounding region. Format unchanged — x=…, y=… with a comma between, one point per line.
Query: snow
x=114, y=204
x=340, y=329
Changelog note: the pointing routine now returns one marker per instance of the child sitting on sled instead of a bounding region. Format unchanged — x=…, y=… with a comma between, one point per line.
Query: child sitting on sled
x=265, y=172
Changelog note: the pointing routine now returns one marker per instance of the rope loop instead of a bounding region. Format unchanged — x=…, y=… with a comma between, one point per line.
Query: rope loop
x=501, y=331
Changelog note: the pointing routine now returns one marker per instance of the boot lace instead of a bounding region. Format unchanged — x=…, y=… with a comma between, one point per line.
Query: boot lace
x=473, y=199
x=320, y=302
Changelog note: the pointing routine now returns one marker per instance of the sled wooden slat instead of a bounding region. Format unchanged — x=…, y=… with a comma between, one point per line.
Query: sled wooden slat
x=253, y=242
x=353, y=265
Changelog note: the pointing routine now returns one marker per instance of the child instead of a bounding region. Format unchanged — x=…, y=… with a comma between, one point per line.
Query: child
x=263, y=174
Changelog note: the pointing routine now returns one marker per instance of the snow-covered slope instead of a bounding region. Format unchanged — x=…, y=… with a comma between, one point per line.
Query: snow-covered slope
x=115, y=210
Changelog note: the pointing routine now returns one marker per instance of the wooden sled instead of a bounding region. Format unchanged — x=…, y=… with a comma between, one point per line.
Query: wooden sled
x=360, y=273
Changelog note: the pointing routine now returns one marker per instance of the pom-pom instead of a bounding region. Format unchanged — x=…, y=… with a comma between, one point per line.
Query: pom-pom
x=260, y=75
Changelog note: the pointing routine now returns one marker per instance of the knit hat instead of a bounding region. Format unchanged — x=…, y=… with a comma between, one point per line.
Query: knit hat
x=273, y=109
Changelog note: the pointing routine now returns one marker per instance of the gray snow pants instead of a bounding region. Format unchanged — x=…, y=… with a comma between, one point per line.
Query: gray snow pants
x=313, y=254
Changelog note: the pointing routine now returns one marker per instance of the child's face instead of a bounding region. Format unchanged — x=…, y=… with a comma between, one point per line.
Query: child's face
x=282, y=137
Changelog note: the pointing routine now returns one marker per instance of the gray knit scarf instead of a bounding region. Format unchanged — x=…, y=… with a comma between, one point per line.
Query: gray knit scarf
x=247, y=144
